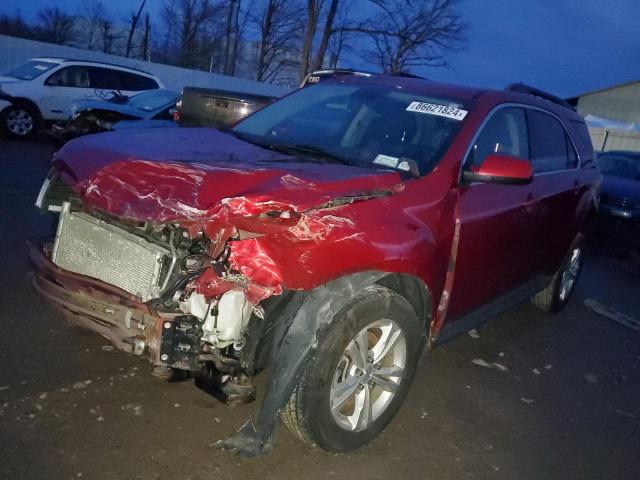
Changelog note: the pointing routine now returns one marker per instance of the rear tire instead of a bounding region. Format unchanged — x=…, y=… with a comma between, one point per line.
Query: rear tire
x=342, y=401
x=558, y=292
x=20, y=121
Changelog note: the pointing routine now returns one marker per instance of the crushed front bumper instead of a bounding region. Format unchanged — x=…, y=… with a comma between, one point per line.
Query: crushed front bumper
x=113, y=313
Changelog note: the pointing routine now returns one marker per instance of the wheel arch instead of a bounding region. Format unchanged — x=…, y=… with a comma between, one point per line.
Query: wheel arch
x=15, y=101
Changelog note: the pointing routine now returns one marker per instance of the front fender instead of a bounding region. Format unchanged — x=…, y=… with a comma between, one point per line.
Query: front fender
x=314, y=311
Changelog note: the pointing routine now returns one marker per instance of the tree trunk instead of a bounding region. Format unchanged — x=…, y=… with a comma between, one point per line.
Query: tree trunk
x=146, y=53
x=267, y=25
x=134, y=23
x=326, y=35
x=309, y=34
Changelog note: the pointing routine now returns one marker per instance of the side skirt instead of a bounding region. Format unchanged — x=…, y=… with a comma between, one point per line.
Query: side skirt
x=490, y=310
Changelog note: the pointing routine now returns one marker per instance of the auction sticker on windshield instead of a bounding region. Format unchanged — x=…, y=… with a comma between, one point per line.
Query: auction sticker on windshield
x=439, y=110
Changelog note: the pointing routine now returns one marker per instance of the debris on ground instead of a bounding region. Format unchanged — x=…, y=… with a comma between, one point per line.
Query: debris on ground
x=611, y=314
x=626, y=414
x=473, y=333
x=548, y=366
x=107, y=348
x=591, y=378
x=4, y=387
x=494, y=366
x=81, y=385
x=536, y=371
x=528, y=401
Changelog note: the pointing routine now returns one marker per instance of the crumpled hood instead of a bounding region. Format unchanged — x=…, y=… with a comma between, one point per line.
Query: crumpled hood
x=123, y=108
x=194, y=173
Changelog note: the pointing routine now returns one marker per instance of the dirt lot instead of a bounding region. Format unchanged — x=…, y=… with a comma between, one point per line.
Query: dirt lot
x=568, y=407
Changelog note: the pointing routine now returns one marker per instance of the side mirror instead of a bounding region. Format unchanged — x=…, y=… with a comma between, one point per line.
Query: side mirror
x=502, y=169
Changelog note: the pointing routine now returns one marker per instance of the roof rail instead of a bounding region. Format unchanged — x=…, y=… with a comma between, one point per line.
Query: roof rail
x=408, y=75
x=536, y=92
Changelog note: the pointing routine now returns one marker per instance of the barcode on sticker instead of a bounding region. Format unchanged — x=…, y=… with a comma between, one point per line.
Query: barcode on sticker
x=436, y=109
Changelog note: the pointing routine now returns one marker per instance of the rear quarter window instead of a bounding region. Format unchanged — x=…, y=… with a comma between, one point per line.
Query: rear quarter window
x=583, y=141
x=136, y=83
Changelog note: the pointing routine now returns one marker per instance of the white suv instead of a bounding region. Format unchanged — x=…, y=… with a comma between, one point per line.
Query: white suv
x=43, y=90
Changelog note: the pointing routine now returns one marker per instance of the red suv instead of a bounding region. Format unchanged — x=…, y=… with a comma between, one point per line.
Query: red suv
x=331, y=236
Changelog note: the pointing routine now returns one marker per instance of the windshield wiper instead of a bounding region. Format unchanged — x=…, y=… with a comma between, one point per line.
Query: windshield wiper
x=309, y=149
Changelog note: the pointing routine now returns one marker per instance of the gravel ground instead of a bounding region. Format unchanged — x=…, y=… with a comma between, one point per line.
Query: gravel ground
x=566, y=405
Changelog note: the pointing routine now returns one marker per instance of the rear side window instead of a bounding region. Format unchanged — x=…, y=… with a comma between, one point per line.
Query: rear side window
x=551, y=148
x=74, y=76
x=583, y=140
x=136, y=83
x=104, y=78
x=504, y=133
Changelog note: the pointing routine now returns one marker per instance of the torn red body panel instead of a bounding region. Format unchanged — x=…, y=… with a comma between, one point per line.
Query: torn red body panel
x=301, y=223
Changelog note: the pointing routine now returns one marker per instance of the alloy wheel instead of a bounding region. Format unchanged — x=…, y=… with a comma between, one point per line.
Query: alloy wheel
x=570, y=274
x=368, y=375
x=19, y=122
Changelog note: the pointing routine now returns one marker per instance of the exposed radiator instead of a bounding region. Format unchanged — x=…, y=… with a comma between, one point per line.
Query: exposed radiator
x=92, y=247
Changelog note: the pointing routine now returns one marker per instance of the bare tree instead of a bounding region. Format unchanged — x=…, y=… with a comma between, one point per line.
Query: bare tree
x=146, y=39
x=313, y=14
x=327, y=32
x=191, y=22
x=94, y=15
x=410, y=33
x=279, y=31
x=132, y=29
x=57, y=26
x=233, y=11
x=15, y=26
x=106, y=32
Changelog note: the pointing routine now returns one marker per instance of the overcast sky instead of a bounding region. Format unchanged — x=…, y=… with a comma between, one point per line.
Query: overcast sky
x=564, y=46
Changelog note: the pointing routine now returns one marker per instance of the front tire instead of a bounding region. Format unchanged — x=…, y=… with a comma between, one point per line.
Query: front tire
x=359, y=374
x=20, y=121
x=557, y=294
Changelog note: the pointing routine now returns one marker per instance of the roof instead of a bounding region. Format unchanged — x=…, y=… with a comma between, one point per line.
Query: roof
x=50, y=59
x=79, y=60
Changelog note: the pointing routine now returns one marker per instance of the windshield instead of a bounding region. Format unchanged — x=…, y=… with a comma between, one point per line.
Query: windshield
x=364, y=125
x=29, y=70
x=148, y=101
x=620, y=166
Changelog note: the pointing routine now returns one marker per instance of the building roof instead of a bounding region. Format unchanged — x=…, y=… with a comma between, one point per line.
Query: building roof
x=602, y=89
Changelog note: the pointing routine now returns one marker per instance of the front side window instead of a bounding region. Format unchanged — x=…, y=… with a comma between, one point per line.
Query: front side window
x=551, y=148
x=505, y=133
x=74, y=76
x=371, y=126
x=29, y=70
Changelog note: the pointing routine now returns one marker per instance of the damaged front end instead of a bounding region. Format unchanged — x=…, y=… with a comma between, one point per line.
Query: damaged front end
x=201, y=296
x=142, y=285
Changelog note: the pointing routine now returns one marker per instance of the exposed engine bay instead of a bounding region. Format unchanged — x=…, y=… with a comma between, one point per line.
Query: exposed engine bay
x=182, y=330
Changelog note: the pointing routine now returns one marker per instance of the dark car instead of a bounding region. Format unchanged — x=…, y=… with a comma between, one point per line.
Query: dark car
x=328, y=240
x=619, y=219
x=152, y=109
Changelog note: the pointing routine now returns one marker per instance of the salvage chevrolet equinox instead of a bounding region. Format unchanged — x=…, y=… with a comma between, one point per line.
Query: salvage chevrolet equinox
x=328, y=239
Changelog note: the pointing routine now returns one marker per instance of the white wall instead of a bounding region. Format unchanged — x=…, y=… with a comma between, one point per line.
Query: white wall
x=14, y=51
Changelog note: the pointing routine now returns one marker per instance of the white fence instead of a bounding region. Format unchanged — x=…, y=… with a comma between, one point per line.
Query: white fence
x=605, y=139
x=14, y=51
